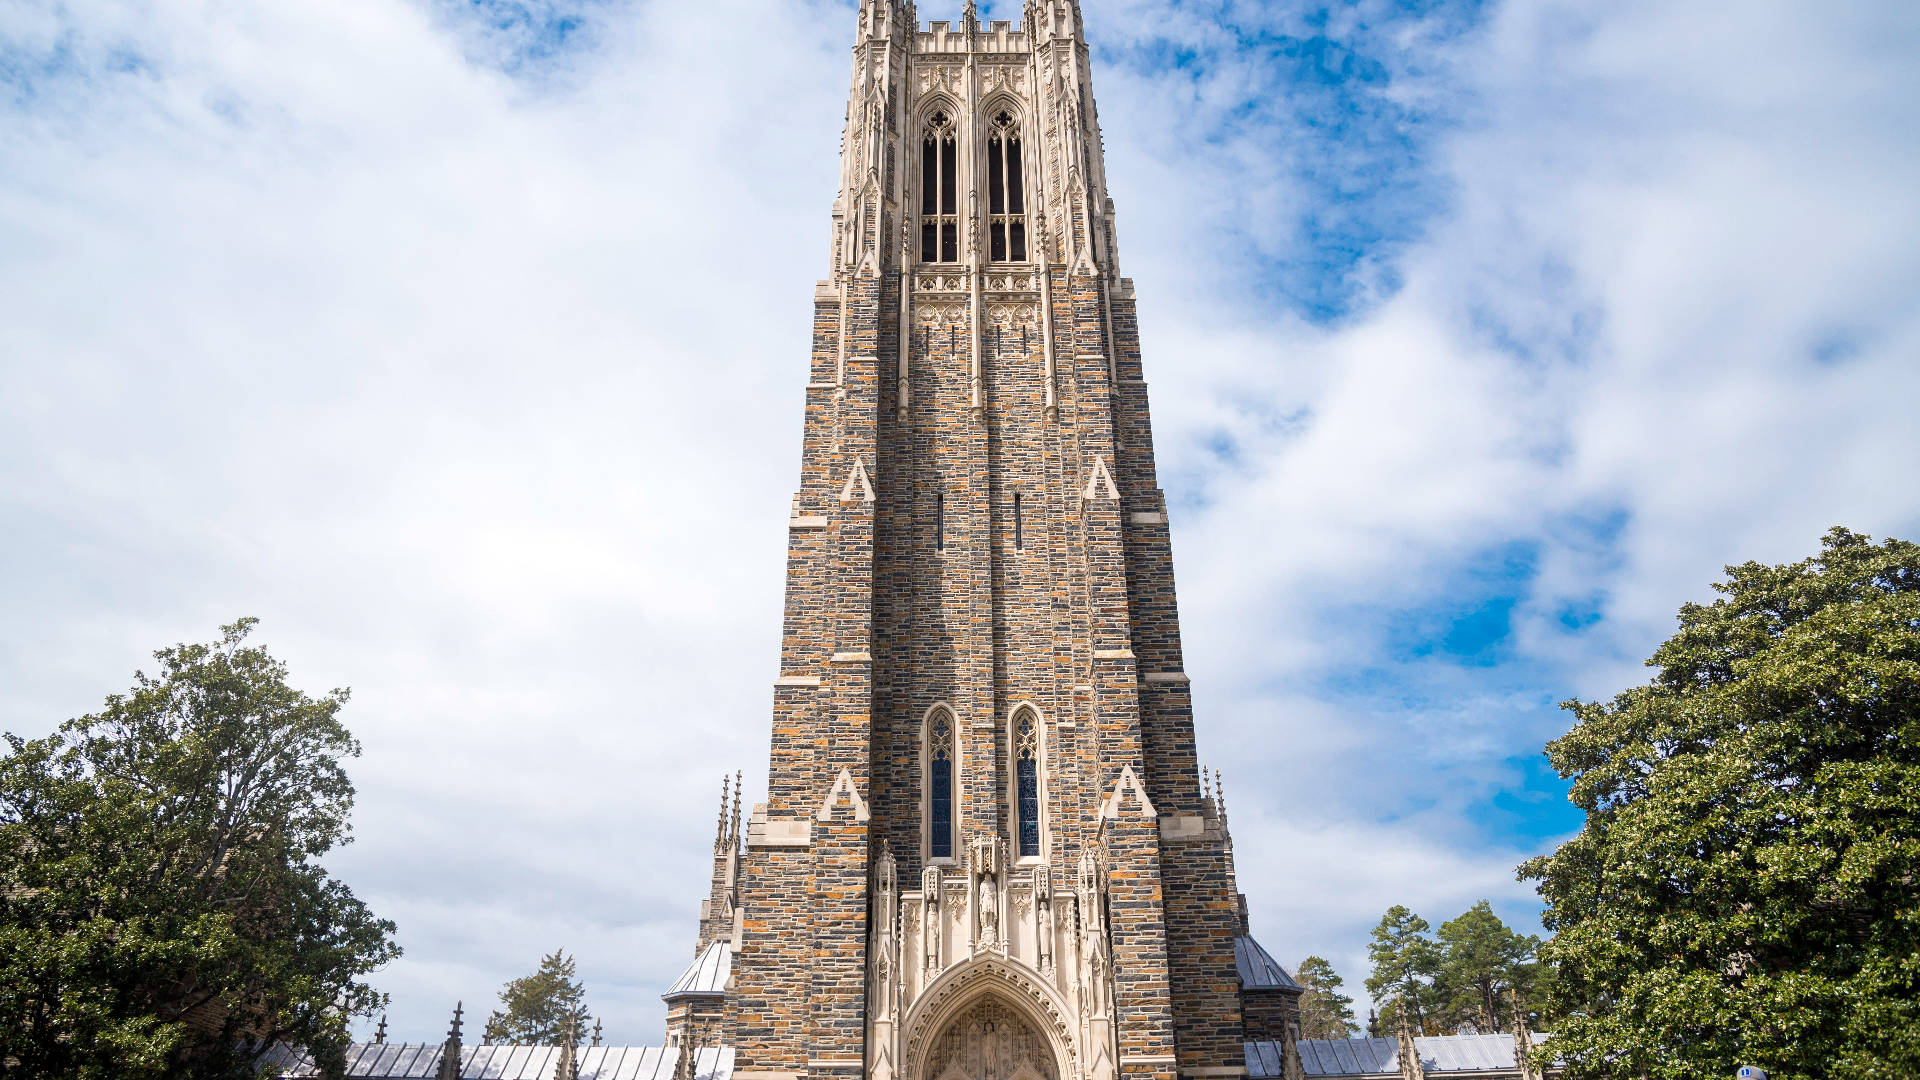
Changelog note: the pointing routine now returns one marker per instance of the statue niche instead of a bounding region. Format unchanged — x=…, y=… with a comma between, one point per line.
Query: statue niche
x=991, y=1041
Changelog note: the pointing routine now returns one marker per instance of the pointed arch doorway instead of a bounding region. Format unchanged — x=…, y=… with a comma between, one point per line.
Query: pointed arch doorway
x=990, y=1040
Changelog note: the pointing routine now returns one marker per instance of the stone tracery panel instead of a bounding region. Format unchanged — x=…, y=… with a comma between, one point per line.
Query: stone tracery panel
x=991, y=1041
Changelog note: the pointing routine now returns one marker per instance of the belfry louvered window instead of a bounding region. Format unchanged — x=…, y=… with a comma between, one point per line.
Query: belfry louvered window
x=939, y=789
x=1006, y=197
x=939, y=192
x=1026, y=783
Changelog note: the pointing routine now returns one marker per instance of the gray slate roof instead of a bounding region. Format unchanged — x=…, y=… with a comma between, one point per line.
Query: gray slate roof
x=707, y=976
x=1447, y=1055
x=1258, y=969
x=417, y=1061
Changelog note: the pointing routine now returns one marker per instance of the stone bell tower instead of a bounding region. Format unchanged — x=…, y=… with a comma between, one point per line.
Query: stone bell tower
x=987, y=852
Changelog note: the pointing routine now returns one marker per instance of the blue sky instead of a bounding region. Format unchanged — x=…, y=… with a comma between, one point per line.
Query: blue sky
x=1480, y=337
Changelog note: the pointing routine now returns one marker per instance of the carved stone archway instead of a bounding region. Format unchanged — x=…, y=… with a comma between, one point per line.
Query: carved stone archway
x=990, y=1040
x=965, y=994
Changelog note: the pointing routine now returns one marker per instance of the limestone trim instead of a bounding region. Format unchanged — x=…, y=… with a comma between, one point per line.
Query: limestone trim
x=858, y=487
x=843, y=790
x=764, y=833
x=1129, y=783
x=1100, y=486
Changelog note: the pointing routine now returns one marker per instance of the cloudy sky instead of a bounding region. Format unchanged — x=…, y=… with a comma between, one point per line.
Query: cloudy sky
x=463, y=342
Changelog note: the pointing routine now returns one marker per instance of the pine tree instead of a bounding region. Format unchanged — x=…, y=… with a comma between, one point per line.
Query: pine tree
x=538, y=1008
x=1481, y=958
x=1405, y=961
x=1325, y=1013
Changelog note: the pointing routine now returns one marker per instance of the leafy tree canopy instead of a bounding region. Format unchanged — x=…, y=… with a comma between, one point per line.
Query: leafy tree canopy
x=162, y=912
x=538, y=1008
x=1743, y=890
x=1325, y=1013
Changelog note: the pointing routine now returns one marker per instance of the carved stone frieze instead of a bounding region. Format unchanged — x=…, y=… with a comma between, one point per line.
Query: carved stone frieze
x=939, y=314
x=937, y=77
x=1013, y=316
x=952, y=283
x=1004, y=77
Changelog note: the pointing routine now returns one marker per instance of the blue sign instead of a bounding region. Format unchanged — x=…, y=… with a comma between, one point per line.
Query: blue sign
x=1751, y=1072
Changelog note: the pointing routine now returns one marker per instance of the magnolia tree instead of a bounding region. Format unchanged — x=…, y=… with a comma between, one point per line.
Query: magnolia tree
x=163, y=910
x=1744, y=890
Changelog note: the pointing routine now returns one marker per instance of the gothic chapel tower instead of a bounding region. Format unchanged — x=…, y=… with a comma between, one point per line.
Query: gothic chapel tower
x=987, y=851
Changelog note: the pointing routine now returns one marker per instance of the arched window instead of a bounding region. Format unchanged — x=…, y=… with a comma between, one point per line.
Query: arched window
x=1026, y=783
x=939, y=785
x=1006, y=195
x=939, y=192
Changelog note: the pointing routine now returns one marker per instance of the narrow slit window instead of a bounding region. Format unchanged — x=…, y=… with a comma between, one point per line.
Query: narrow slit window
x=939, y=523
x=1006, y=201
x=940, y=787
x=1026, y=756
x=1019, y=541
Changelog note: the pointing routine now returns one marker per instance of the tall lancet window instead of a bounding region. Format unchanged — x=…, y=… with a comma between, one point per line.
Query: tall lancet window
x=939, y=192
x=939, y=788
x=1006, y=195
x=1026, y=783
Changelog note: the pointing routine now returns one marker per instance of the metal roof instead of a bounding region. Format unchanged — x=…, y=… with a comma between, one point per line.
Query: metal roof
x=1464, y=1055
x=706, y=976
x=410, y=1061
x=1258, y=970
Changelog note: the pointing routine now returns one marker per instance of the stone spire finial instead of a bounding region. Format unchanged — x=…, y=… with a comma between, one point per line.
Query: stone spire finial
x=738, y=784
x=568, y=1067
x=970, y=16
x=720, y=831
x=380, y=1036
x=1522, y=1038
x=451, y=1052
x=1410, y=1067
x=596, y=1031
x=1291, y=1067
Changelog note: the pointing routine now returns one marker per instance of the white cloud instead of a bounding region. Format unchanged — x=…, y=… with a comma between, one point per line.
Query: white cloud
x=305, y=313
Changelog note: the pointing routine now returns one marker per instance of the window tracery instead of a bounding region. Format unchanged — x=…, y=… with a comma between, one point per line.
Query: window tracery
x=1006, y=191
x=939, y=785
x=939, y=191
x=1026, y=784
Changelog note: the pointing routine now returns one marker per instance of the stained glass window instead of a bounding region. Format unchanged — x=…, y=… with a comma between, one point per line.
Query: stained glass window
x=940, y=787
x=1026, y=782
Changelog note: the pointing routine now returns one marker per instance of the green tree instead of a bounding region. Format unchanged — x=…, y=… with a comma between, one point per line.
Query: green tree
x=536, y=1009
x=162, y=910
x=1405, y=961
x=1325, y=1013
x=1743, y=890
x=1481, y=960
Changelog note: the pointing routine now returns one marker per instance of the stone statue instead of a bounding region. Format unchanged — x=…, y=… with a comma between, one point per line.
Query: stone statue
x=989, y=910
